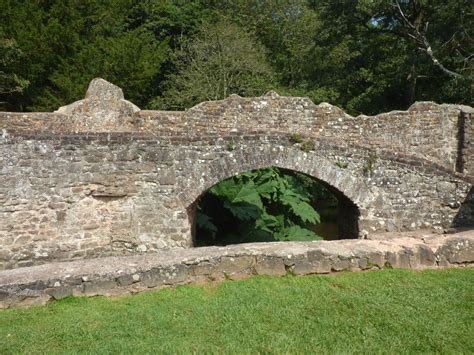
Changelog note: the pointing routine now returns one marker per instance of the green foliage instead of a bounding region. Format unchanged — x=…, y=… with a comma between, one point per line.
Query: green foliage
x=231, y=147
x=370, y=163
x=203, y=221
x=296, y=138
x=307, y=146
x=10, y=54
x=342, y=165
x=359, y=55
x=221, y=59
x=266, y=204
x=436, y=40
x=131, y=60
x=302, y=144
x=64, y=44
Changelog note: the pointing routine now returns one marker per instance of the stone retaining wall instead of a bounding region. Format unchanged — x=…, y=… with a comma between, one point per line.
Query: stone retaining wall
x=114, y=276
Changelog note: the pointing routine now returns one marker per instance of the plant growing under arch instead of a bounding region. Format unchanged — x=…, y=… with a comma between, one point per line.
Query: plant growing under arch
x=269, y=204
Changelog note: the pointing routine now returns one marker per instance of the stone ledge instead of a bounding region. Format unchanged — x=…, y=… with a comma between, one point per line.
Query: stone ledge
x=113, y=276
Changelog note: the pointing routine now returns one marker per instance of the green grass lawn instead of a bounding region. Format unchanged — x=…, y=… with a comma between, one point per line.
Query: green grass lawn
x=390, y=311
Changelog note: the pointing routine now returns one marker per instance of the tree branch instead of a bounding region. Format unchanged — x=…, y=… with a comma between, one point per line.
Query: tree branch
x=423, y=43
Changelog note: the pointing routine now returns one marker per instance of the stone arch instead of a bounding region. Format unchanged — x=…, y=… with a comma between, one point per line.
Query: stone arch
x=338, y=180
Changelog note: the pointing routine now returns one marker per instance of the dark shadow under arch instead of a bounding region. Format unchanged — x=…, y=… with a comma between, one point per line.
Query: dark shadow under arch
x=203, y=175
x=347, y=214
x=346, y=221
x=463, y=219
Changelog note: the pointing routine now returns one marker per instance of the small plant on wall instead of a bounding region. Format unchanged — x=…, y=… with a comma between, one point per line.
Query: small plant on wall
x=296, y=138
x=342, y=165
x=231, y=146
x=305, y=145
x=370, y=162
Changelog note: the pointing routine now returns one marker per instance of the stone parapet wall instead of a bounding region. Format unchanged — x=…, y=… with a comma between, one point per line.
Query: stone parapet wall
x=128, y=275
x=427, y=130
x=410, y=132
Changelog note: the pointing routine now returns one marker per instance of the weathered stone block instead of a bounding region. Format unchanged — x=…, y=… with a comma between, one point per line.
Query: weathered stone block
x=398, y=260
x=232, y=267
x=202, y=270
x=301, y=265
x=375, y=259
x=126, y=280
x=322, y=263
x=97, y=288
x=457, y=251
x=60, y=292
x=426, y=256
x=167, y=177
x=171, y=275
x=341, y=265
x=268, y=265
x=4, y=294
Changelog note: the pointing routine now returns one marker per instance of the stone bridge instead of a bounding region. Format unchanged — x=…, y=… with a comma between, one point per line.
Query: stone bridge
x=101, y=177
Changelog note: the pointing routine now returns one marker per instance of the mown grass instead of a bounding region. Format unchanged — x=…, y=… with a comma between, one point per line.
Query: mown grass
x=392, y=311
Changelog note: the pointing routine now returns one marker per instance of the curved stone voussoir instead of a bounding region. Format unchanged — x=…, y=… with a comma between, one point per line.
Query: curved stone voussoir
x=252, y=158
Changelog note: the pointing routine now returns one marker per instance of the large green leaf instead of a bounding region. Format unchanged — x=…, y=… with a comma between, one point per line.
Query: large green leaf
x=241, y=199
x=248, y=194
x=267, y=189
x=296, y=233
x=234, y=192
x=301, y=208
x=205, y=222
x=243, y=210
x=269, y=222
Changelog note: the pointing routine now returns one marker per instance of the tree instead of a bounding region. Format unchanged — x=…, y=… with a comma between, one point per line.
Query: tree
x=221, y=59
x=67, y=43
x=439, y=45
x=358, y=54
x=131, y=60
x=10, y=82
x=365, y=56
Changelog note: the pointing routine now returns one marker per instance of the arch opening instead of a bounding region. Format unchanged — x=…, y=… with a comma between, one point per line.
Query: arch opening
x=272, y=204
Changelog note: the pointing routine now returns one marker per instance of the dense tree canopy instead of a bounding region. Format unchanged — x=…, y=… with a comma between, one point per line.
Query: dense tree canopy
x=365, y=56
x=219, y=60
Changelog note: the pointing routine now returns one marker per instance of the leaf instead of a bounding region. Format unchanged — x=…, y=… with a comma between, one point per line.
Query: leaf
x=226, y=189
x=248, y=193
x=234, y=192
x=297, y=187
x=267, y=189
x=301, y=208
x=205, y=222
x=243, y=210
x=268, y=222
x=296, y=233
